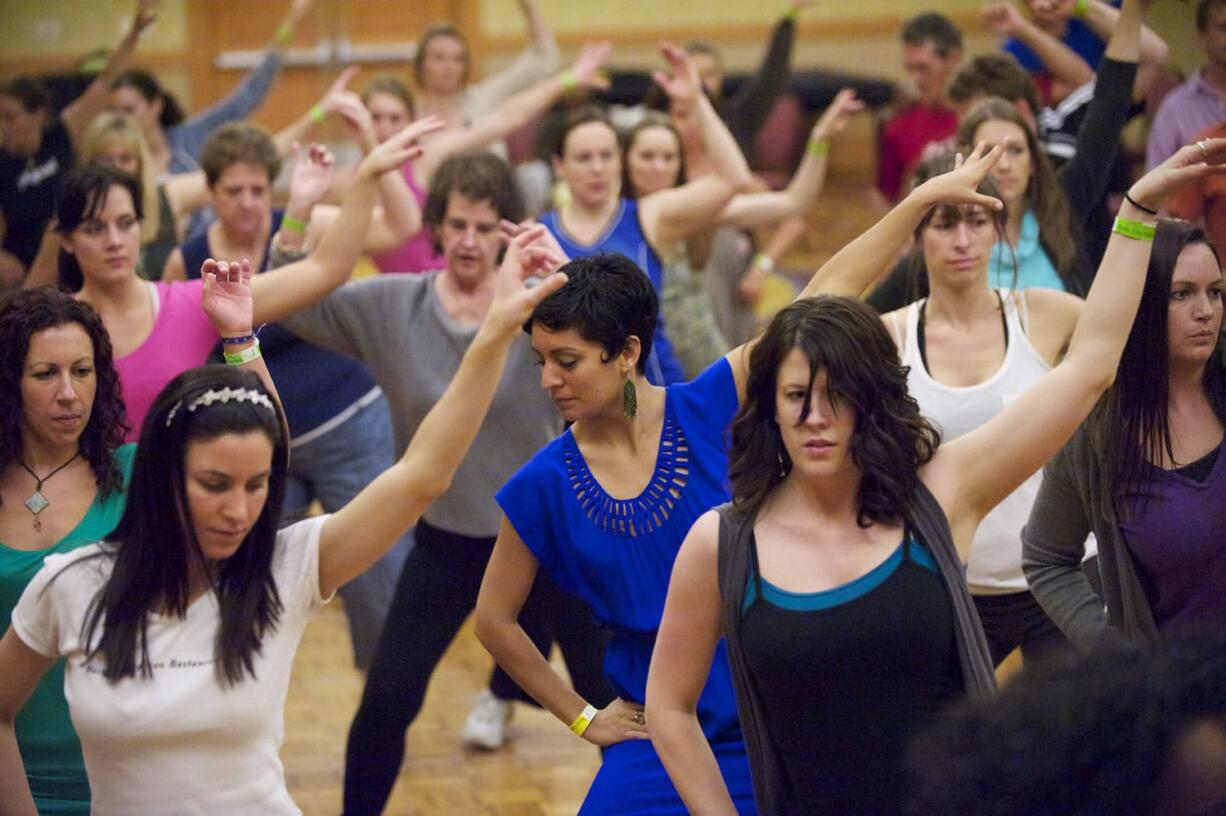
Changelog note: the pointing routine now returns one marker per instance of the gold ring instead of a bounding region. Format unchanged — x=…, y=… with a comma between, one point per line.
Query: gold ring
x=639, y=719
x=1203, y=150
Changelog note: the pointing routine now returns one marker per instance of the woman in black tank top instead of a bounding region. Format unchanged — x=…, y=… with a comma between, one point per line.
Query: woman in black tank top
x=836, y=574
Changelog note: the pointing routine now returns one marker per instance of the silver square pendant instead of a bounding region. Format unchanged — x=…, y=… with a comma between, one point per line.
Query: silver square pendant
x=37, y=503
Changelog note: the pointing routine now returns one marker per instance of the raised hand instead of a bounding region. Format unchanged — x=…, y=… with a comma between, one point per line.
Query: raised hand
x=311, y=177
x=547, y=239
x=960, y=185
x=683, y=84
x=226, y=297
x=844, y=106
x=1190, y=162
x=349, y=106
x=586, y=69
x=515, y=294
x=617, y=722
x=1001, y=18
x=399, y=148
x=146, y=14
x=298, y=10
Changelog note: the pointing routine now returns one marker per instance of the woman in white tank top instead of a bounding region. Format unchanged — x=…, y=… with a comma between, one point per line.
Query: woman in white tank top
x=971, y=351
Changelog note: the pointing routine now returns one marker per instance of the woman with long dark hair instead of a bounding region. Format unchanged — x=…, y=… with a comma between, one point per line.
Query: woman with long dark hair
x=604, y=508
x=835, y=574
x=1145, y=473
x=180, y=629
x=63, y=471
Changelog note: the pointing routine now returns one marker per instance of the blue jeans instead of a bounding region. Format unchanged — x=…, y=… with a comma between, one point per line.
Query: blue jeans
x=334, y=468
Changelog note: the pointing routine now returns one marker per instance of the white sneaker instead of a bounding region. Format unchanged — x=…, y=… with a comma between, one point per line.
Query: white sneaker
x=486, y=726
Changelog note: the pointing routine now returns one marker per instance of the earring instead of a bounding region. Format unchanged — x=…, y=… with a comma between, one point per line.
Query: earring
x=630, y=399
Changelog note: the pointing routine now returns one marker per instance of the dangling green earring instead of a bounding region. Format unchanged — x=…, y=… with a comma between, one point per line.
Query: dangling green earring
x=630, y=399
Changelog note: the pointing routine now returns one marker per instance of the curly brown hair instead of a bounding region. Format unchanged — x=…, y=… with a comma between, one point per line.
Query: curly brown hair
x=891, y=440
x=23, y=314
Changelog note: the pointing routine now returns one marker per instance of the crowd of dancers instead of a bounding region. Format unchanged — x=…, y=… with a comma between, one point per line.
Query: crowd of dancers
x=781, y=563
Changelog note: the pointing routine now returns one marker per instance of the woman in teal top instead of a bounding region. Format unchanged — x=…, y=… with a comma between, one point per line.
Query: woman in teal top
x=63, y=478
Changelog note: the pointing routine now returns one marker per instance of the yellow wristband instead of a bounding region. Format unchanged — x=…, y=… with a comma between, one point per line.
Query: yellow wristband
x=293, y=224
x=1081, y=8
x=583, y=720
x=568, y=80
x=1133, y=229
x=764, y=262
x=317, y=113
x=818, y=147
x=285, y=33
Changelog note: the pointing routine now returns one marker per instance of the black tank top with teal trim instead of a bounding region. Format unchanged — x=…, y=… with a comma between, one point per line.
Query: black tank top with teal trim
x=848, y=675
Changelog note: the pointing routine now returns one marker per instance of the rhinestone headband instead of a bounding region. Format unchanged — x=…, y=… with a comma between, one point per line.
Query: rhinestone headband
x=223, y=395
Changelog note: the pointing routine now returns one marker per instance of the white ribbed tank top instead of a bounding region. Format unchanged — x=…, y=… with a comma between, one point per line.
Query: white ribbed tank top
x=995, y=565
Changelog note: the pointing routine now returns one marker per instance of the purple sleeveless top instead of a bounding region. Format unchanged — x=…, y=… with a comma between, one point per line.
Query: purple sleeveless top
x=416, y=254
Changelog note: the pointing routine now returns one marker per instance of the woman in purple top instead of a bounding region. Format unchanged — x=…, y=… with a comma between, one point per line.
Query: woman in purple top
x=1145, y=472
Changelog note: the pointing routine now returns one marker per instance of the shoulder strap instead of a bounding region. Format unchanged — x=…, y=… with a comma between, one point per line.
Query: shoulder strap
x=927, y=518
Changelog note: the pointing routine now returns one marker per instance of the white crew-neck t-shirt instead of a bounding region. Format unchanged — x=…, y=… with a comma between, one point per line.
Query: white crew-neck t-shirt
x=178, y=742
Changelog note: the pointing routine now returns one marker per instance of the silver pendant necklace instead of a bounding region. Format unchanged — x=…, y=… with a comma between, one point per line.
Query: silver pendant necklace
x=37, y=502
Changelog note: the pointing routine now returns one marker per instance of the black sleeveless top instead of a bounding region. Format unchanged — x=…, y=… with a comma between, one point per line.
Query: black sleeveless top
x=846, y=676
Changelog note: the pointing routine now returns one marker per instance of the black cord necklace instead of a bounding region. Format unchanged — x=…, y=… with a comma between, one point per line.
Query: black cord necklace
x=37, y=502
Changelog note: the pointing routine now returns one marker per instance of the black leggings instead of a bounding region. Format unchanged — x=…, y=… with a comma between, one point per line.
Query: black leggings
x=437, y=590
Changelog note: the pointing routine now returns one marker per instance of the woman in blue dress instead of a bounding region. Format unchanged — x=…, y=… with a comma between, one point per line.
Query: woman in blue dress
x=604, y=508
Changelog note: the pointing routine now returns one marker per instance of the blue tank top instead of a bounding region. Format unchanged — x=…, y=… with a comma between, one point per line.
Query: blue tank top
x=625, y=236
x=315, y=384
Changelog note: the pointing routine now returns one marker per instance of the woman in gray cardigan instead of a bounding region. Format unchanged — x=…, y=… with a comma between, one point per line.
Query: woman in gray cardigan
x=1144, y=473
x=834, y=575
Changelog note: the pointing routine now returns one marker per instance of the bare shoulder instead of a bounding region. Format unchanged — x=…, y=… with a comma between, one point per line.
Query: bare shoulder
x=1051, y=316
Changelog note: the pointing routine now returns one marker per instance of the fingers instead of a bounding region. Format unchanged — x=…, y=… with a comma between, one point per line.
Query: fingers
x=344, y=78
x=209, y=267
x=547, y=286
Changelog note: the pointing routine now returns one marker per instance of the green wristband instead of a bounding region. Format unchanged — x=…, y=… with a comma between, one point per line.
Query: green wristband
x=818, y=147
x=248, y=354
x=1133, y=229
x=285, y=33
x=317, y=113
x=568, y=80
x=1081, y=8
x=293, y=224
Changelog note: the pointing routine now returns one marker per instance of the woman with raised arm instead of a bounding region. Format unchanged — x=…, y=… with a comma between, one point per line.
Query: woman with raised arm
x=158, y=329
x=179, y=630
x=970, y=350
x=442, y=66
x=1145, y=472
x=599, y=217
x=37, y=149
x=175, y=139
x=835, y=575
x=654, y=158
x=386, y=106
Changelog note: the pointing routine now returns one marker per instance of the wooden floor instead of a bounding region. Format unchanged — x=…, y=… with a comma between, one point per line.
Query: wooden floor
x=544, y=771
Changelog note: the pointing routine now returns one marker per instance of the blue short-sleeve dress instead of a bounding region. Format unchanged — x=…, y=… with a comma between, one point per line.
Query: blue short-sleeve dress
x=618, y=554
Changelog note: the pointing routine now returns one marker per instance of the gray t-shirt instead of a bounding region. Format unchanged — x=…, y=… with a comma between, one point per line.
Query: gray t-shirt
x=397, y=325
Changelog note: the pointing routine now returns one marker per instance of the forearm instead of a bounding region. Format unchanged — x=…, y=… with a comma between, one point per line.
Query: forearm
x=1106, y=320
x=397, y=219
x=538, y=30
x=341, y=243
x=725, y=157
x=1128, y=38
x=515, y=652
x=689, y=760
x=854, y=268
x=77, y=115
x=1062, y=62
x=296, y=131
x=15, y=796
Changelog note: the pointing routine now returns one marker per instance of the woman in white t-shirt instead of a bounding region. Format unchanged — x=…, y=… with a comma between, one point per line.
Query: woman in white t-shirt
x=179, y=631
